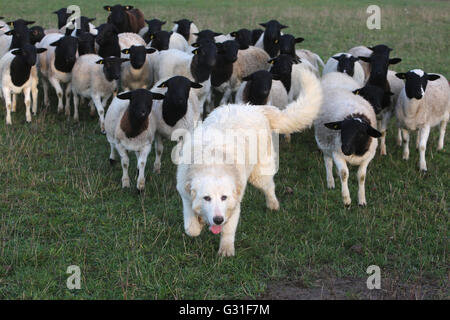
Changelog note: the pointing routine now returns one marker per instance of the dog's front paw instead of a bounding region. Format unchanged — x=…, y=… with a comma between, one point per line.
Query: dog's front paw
x=194, y=229
x=226, y=249
x=273, y=204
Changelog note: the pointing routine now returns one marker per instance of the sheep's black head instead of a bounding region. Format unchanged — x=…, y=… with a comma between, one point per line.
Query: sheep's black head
x=287, y=44
x=416, y=82
x=161, y=39
x=258, y=87
x=206, y=35
x=84, y=24
x=228, y=50
x=65, y=52
x=272, y=35
x=111, y=67
x=346, y=63
x=141, y=101
x=138, y=55
x=36, y=34
x=20, y=33
x=106, y=32
x=86, y=43
x=256, y=34
x=243, y=37
x=379, y=64
x=63, y=14
x=282, y=65
x=184, y=27
x=118, y=14
x=381, y=49
x=154, y=26
x=356, y=134
x=207, y=53
x=176, y=98
x=29, y=53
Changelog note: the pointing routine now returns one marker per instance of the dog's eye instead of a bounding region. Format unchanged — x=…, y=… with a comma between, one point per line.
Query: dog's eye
x=207, y=198
x=223, y=198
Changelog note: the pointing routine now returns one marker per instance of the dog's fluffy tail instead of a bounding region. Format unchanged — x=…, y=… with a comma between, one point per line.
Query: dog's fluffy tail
x=300, y=113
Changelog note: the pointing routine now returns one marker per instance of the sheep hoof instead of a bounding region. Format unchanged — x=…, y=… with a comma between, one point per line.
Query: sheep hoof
x=112, y=162
x=362, y=205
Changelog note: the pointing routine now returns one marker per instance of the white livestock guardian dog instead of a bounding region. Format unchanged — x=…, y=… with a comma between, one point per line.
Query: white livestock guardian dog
x=212, y=191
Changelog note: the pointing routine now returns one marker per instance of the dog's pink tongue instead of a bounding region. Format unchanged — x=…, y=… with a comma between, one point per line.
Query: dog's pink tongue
x=215, y=229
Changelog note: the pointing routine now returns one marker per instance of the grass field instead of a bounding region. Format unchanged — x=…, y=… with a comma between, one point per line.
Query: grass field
x=62, y=204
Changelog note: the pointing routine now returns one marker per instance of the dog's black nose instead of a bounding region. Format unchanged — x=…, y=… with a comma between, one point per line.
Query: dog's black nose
x=218, y=220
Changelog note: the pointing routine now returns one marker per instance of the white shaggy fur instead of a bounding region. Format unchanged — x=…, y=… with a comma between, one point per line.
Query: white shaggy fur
x=128, y=39
x=89, y=81
x=339, y=80
x=132, y=79
x=296, y=83
x=5, y=41
x=223, y=184
x=423, y=114
x=119, y=142
x=331, y=66
x=337, y=105
x=177, y=41
x=313, y=59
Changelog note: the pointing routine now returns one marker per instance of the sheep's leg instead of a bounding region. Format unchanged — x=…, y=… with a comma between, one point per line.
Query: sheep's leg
x=192, y=225
x=399, y=137
x=226, y=248
x=142, y=161
x=125, y=161
x=418, y=140
x=112, y=154
x=45, y=87
x=35, y=95
x=68, y=91
x=27, y=96
x=405, y=144
x=100, y=111
x=226, y=97
x=76, y=102
x=59, y=92
x=92, y=110
x=424, y=133
x=342, y=168
x=329, y=170
x=14, y=102
x=361, y=183
x=7, y=97
x=442, y=134
x=383, y=128
x=159, y=150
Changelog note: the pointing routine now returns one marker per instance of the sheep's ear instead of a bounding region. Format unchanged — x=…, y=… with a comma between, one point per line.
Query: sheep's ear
x=56, y=43
x=2, y=17
x=128, y=7
x=336, y=58
x=101, y=61
x=124, y=95
x=233, y=34
x=40, y=50
x=10, y=23
x=195, y=51
x=263, y=24
x=271, y=61
x=163, y=22
x=107, y=8
x=247, y=78
x=432, y=77
x=152, y=36
x=196, y=85
x=394, y=60
x=157, y=96
x=126, y=51
x=195, y=45
x=17, y=52
x=276, y=41
x=334, y=125
x=401, y=75
x=163, y=85
x=150, y=50
x=29, y=22
x=276, y=77
x=373, y=132
x=296, y=60
x=352, y=58
x=356, y=91
x=9, y=33
x=298, y=40
x=91, y=19
x=365, y=59
x=122, y=60
x=391, y=93
x=283, y=26
x=216, y=34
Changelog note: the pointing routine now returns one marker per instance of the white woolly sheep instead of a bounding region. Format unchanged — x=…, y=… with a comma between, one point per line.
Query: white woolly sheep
x=137, y=72
x=346, y=63
x=130, y=126
x=187, y=29
x=345, y=132
x=95, y=78
x=18, y=74
x=423, y=103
